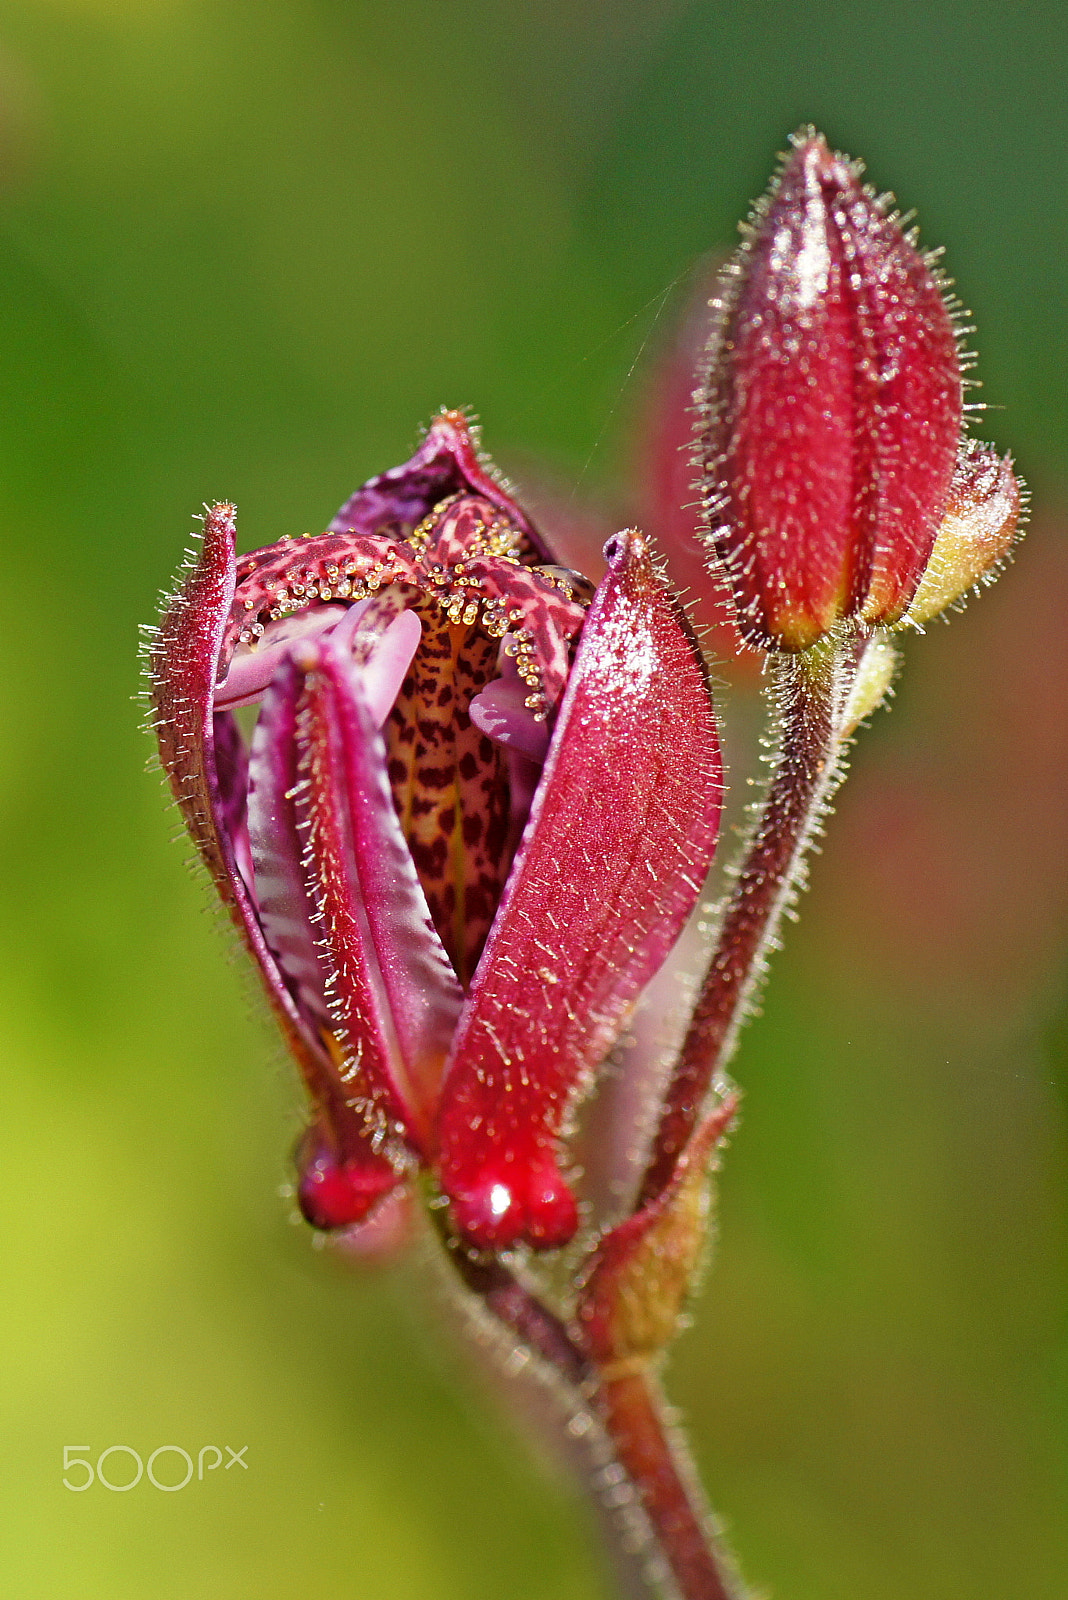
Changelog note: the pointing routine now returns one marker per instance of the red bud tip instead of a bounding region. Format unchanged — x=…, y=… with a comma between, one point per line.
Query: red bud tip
x=503, y=1208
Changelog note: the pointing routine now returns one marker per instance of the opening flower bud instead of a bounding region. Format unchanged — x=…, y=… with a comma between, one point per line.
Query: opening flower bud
x=477, y=807
x=831, y=408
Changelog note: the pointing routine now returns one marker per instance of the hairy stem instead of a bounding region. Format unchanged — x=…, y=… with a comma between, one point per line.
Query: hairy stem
x=810, y=692
x=635, y=1459
x=657, y=1463
x=535, y=1327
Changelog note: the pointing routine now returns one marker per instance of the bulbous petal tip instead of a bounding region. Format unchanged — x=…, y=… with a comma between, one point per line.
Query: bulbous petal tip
x=506, y=1207
x=831, y=407
x=334, y=1192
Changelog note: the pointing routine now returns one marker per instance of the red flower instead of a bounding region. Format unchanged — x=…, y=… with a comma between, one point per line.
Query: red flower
x=832, y=408
x=477, y=807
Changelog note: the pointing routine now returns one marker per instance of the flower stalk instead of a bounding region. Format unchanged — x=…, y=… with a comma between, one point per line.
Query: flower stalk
x=656, y=1459
x=810, y=694
x=648, y=1464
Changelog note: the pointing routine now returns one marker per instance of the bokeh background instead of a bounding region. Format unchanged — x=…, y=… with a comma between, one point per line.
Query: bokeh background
x=246, y=248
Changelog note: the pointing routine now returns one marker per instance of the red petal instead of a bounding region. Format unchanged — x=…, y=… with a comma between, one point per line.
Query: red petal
x=183, y=663
x=392, y=993
x=621, y=834
x=343, y=1170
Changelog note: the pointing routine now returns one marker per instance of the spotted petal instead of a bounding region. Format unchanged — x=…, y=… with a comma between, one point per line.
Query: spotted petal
x=447, y=462
x=620, y=838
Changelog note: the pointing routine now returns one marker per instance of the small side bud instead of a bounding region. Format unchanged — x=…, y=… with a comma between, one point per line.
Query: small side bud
x=831, y=408
x=980, y=527
x=641, y=1273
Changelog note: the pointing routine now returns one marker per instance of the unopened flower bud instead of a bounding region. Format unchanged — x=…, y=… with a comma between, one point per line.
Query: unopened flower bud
x=831, y=408
x=977, y=532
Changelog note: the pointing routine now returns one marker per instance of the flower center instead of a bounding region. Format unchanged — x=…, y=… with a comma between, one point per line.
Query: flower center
x=466, y=717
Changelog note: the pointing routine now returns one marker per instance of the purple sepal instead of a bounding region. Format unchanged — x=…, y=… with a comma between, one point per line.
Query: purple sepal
x=392, y=995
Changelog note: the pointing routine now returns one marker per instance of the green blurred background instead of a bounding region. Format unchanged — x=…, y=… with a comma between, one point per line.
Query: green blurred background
x=246, y=248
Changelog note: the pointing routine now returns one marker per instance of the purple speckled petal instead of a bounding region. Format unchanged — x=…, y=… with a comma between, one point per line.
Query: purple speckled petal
x=447, y=463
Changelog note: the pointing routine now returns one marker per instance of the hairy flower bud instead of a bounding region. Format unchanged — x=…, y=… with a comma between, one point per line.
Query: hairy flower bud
x=637, y=1279
x=831, y=408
